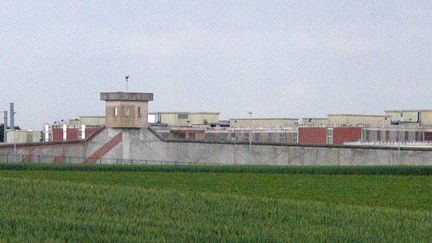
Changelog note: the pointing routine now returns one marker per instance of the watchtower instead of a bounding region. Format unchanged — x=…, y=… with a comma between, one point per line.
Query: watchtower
x=126, y=110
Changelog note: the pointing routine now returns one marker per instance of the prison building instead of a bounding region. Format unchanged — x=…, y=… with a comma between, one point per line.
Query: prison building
x=256, y=135
x=197, y=134
x=275, y=122
x=357, y=120
x=406, y=117
x=23, y=136
x=396, y=134
x=73, y=129
x=328, y=135
x=184, y=119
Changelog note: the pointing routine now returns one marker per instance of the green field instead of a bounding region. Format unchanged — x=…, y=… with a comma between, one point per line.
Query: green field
x=97, y=205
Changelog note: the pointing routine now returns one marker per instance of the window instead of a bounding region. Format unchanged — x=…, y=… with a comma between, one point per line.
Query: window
x=282, y=138
x=192, y=135
x=209, y=136
x=367, y=135
x=127, y=111
x=398, y=136
x=406, y=137
x=246, y=136
x=139, y=111
x=387, y=136
x=233, y=136
x=329, y=135
x=183, y=116
x=270, y=137
x=115, y=111
x=378, y=135
x=257, y=137
x=222, y=136
x=418, y=136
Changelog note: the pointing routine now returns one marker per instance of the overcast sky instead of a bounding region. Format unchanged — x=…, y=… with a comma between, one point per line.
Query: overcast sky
x=275, y=58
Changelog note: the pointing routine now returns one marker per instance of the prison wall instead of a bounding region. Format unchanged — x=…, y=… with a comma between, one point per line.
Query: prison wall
x=144, y=144
x=140, y=146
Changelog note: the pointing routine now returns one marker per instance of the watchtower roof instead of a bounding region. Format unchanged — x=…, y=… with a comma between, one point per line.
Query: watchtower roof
x=126, y=96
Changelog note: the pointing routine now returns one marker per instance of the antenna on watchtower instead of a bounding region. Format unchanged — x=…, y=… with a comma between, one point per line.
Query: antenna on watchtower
x=127, y=79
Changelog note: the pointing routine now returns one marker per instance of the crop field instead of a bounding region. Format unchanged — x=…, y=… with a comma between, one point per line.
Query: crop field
x=73, y=203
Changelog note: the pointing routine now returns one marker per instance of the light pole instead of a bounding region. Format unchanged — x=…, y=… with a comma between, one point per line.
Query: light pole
x=127, y=79
x=250, y=135
x=15, y=149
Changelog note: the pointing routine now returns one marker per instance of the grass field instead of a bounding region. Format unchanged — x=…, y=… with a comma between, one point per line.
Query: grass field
x=45, y=205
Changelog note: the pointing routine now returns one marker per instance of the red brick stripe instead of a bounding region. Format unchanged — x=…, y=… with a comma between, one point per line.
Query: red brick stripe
x=104, y=149
x=29, y=157
x=60, y=158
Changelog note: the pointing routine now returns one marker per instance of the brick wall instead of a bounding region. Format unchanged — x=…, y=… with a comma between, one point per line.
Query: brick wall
x=57, y=134
x=72, y=134
x=312, y=135
x=89, y=131
x=346, y=134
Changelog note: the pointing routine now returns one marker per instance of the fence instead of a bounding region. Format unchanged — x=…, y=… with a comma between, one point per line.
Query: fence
x=415, y=144
x=19, y=158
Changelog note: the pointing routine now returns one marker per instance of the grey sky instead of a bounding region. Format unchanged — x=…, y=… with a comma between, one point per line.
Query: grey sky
x=275, y=58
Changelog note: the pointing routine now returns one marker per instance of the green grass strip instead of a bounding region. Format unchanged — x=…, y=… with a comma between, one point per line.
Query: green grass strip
x=326, y=170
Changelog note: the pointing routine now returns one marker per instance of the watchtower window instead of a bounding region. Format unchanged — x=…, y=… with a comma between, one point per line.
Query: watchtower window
x=139, y=111
x=127, y=111
x=115, y=111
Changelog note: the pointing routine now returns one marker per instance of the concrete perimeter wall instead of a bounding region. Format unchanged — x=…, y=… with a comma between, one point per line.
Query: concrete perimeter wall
x=144, y=145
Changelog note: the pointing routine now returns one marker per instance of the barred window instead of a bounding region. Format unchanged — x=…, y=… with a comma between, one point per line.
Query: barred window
x=418, y=136
x=270, y=137
x=367, y=135
x=257, y=137
x=282, y=138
